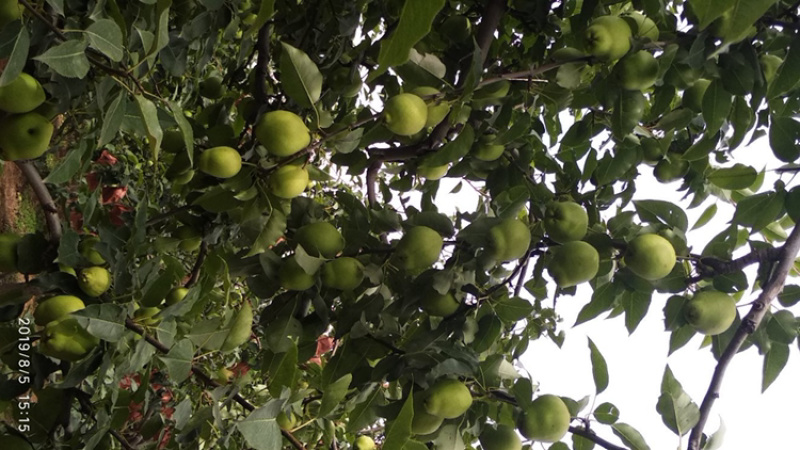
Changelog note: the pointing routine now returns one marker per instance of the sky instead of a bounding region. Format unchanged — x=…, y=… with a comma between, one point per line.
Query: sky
x=636, y=363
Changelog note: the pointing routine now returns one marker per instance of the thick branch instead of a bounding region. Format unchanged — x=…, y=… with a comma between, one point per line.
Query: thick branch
x=489, y=21
x=709, y=266
x=372, y=181
x=43, y=195
x=749, y=324
x=262, y=62
x=199, y=373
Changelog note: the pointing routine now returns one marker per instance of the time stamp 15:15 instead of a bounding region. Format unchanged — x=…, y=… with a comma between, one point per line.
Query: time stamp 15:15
x=24, y=369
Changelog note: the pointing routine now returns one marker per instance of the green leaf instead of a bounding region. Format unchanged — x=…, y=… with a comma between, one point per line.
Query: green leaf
x=70, y=165
x=782, y=327
x=630, y=437
x=742, y=119
x=67, y=59
x=179, y=360
x=706, y=216
x=300, y=77
x=740, y=17
x=162, y=28
x=603, y=300
x=635, y=305
x=333, y=394
x=149, y=115
x=784, y=135
x=512, y=309
x=14, y=46
x=717, y=104
x=105, y=321
x=112, y=118
x=774, y=362
x=788, y=74
x=599, y=368
x=676, y=408
x=758, y=211
x=739, y=176
x=606, y=413
x=398, y=431
x=628, y=111
x=272, y=231
x=790, y=295
x=715, y=441
x=260, y=429
x=659, y=211
x=105, y=36
x=415, y=23
x=363, y=414
x=185, y=127
x=453, y=150
x=709, y=10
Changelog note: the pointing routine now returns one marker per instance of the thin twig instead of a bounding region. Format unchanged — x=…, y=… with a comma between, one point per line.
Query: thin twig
x=198, y=264
x=749, y=324
x=45, y=199
x=586, y=434
x=372, y=181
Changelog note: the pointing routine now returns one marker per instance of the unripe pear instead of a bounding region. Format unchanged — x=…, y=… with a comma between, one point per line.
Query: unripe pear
x=441, y=305
x=147, y=315
x=546, y=419
x=405, y=114
x=175, y=296
x=509, y=240
x=55, y=308
x=94, y=281
x=650, y=256
x=503, y=437
x=241, y=328
x=565, y=221
x=364, y=443
x=67, y=340
x=212, y=87
x=423, y=423
x=24, y=136
x=10, y=10
x=286, y=421
x=320, y=239
x=282, y=133
x=432, y=172
x=190, y=239
x=87, y=250
x=608, y=38
x=447, y=398
x=437, y=107
x=23, y=94
x=344, y=274
x=8, y=252
x=418, y=249
x=288, y=181
x=642, y=26
x=293, y=277
x=710, y=312
x=637, y=71
x=486, y=150
x=220, y=162
x=573, y=263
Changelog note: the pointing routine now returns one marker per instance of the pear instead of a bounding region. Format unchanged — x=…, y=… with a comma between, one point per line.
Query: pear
x=437, y=108
x=10, y=10
x=405, y=114
x=8, y=252
x=190, y=238
x=364, y=443
x=173, y=142
x=418, y=249
x=286, y=421
x=212, y=87
x=432, y=172
x=282, y=133
x=503, y=437
x=288, y=181
x=546, y=419
x=440, y=305
x=650, y=256
x=608, y=38
x=710, y=312
x=642, y=26
x=147, y=315
x=94, y=281
x=293, y=277
x=573, y=263
x=87, y=250
x=487, y=151
x=344, y=274
x=55, y=308
x=23, y=94
x=565, y=221
x=424, y=423
x=509, y=240
x=67, y=340
x=175, y=296
x=320, y=239
x=220, y=162
x=447, y=398
x=637, y=71
x=241, y=328
x=24, y=136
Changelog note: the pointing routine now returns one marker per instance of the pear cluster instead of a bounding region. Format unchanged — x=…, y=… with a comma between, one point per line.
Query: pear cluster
x=63, y=337
x=24, y=133
x=574, y=261
x=447, y=398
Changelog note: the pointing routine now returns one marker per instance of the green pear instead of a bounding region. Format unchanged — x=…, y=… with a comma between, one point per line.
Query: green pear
x=486, y=150
x=8, y=252
x=652, y=153
x=320, y=239
x=503, y=437
x=212, y=87
x=492, y=91
x=509, y=240
x=286, y=421
x=710, y=312
x=87, y=250
x=344, y=274
x=423, y=423
x=175, y=296
x=55, y=308
x=447, y=398
x=637, y=71
x=681, y=76
x=24, y=136
x=693, y=95
x=241, y=328
x=10, y=10
x=23, y=94
x=573, y=263
x=650, y=256
x=364, y=443
x=456, y=28
x=293, y=277
x=66, y=339
x=546, y=419
x=282, y=133
x=288, y=181
x=432, y=172
x=190, y=238
x=608, y=38
x=147, y=315
x=94, y=281
x=405, y=114
x=642, y=26
x=220, y=162
x=418, y=249
x=437, y=108
x=440, y=305
x=565, y=221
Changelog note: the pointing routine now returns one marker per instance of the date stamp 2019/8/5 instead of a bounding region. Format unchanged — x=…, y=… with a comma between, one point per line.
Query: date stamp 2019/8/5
x=25, y=377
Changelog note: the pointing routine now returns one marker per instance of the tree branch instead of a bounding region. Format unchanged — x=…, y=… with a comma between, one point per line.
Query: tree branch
x=207, y=380
x=262, y=46
x=490, y=19
x=749, y=324
x=45, y=200
x=372, y=181
x=587, y=434
x=198, y=264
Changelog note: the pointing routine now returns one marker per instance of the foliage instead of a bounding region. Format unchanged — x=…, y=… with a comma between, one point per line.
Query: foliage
x=140, y=89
